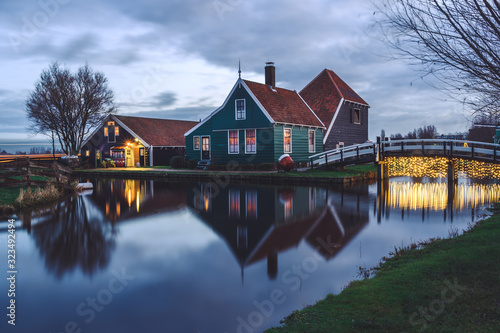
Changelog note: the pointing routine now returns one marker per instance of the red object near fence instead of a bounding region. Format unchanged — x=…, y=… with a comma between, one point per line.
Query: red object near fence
x=285, y=162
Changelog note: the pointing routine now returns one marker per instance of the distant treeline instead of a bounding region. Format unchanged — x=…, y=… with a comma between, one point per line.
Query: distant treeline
x=32, y=151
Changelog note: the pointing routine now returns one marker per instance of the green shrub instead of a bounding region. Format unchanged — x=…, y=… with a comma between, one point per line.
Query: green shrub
x=191, y=164
x=178, y=162
x=110, y=164
x=103, y=164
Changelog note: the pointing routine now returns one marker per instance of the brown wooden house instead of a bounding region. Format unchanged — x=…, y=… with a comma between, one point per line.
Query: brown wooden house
x=131, y=141
x=340, y=108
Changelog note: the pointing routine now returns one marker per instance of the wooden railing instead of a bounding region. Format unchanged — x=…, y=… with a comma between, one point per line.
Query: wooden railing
x=481, y=151
x=26, y=169
x=352, y=154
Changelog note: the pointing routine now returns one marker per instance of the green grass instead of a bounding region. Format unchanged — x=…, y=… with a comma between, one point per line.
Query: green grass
x=9, y=195
x=349, y=171
x=411, y=291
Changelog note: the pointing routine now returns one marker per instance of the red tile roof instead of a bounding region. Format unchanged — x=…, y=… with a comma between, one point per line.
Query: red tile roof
x=158, y=132
x=324, y=92
x=283, y=105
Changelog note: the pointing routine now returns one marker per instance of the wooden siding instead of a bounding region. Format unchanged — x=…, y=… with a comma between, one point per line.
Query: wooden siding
x=226, y=118
x=345, y=130
x=300, y=142
x=101, y=142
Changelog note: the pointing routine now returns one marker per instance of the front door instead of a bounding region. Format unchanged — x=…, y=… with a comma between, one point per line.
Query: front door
x=129, y=157
x=205, y=147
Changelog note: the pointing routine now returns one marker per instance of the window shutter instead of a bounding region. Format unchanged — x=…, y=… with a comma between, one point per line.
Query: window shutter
x=352, y=116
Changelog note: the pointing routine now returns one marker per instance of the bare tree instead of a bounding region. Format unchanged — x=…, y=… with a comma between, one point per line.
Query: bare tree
x=69, y=105
x=458, y=42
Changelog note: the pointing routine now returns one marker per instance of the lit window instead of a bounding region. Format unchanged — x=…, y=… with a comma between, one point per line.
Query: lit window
x=355, y=116
x=312, y=141
x=234, y=145
x=234, y=203
x=287, y=138
x=111, y=123
x=240, y=109
x=105, y=131
x=117, y=130
x=251, y=199
x=251, y=142
x=196, y=143
x=87, y=153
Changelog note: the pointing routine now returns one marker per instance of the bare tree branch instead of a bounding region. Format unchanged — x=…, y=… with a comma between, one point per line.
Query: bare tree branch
x=69, y=105
x=458, y=42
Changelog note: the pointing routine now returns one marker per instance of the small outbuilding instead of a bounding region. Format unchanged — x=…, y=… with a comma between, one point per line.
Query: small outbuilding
x=131, y=141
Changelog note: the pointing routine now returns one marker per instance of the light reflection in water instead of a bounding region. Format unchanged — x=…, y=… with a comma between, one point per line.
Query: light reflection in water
x=435, y=196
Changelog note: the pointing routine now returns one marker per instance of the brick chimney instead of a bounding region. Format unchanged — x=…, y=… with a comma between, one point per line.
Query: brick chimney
x=270, y=74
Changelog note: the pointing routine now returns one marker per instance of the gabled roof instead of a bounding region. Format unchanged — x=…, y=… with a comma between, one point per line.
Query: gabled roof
x=283, y=105
x=278, y=105
x=324, y=95
x=157, y=132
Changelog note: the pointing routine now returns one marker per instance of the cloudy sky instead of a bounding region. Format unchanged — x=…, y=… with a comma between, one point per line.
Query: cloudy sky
x=179, y=59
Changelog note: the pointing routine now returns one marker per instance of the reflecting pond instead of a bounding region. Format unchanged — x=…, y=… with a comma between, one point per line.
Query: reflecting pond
x=156, y=256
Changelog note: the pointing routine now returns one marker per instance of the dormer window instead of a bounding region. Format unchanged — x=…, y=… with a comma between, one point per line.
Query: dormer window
x=240, y=109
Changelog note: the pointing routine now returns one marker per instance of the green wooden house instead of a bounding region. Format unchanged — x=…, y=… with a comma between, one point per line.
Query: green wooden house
x=257, y=124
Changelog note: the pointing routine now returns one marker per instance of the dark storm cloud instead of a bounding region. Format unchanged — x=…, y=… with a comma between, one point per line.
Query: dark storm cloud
x=164, y=99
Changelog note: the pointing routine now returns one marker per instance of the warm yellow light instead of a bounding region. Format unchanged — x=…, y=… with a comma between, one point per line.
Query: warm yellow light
x=137, y=200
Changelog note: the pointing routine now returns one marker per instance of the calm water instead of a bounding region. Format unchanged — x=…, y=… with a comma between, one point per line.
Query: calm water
x=148, y=256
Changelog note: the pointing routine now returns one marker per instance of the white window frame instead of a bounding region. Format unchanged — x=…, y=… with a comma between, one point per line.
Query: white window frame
x=199, y=142
x=284, y=145
x=314, y=140
x=229, y=142
x=255, y=131
x=244, y=109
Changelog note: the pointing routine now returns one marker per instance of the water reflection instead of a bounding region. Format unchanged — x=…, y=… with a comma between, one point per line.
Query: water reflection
x=260, y=222
x=74, y=235
x=256, y=222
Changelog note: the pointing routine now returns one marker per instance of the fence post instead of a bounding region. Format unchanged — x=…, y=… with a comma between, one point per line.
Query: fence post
x=423, y=150
x=444, y=148
x=451, y=148
x=311, y=163
x=342, y=155
x=472, y=150
x=326, y=161
x=357, y=152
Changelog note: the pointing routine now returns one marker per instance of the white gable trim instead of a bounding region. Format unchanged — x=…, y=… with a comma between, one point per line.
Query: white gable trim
x=333, y=120
x=238, y=82
x=112, y=116
x=311, y=110
x=261, y=107
x=95, y=131
x=130, y=131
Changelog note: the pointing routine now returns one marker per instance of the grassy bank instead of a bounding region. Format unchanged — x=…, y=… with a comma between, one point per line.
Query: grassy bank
x=348, y=171
x=451, y=285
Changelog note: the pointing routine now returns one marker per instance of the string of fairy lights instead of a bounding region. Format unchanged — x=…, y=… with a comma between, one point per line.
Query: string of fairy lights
x=437, y=167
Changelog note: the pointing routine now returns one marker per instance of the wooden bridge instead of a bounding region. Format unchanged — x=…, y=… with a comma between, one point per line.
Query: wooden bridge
x=378, y=152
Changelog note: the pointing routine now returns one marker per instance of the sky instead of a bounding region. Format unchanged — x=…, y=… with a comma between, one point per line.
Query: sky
x=179, y=59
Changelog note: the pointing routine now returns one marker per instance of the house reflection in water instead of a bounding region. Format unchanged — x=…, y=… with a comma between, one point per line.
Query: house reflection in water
x=122, y=199
x=259, y=222
x=80, y=231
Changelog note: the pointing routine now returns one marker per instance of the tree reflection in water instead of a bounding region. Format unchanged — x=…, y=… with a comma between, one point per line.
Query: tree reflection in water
x=73, y=235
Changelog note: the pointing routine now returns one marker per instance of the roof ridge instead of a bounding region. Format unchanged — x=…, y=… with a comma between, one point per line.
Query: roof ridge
x=334, y=83
x=310, y=82
x=151, y=118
